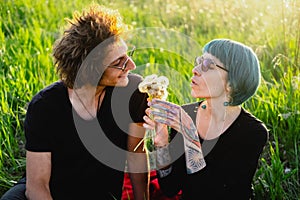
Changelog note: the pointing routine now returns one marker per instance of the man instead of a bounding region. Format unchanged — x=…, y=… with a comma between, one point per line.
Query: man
x=81, y=131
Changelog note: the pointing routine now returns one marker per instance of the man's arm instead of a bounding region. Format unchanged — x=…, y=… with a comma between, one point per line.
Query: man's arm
x=38, y=171
x=137, y=162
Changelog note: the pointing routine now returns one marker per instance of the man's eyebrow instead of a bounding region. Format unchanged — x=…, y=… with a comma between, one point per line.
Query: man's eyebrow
x=118, y=59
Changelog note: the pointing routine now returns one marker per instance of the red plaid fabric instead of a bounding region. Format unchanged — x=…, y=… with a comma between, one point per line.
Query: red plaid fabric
x=155, y=192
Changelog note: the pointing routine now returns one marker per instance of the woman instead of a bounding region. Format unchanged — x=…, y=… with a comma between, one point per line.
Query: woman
x=231, y=138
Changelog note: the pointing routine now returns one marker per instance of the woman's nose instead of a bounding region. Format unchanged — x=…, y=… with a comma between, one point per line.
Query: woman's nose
x=196, y=71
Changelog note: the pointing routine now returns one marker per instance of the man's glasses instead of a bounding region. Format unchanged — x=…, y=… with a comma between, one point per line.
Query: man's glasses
x=122, y=66
x=205, y=64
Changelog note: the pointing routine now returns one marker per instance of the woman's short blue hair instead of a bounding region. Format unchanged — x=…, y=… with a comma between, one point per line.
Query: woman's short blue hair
x=242, y=65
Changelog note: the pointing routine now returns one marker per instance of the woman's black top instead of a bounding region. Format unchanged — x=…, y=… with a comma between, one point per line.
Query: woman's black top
x=231, y=161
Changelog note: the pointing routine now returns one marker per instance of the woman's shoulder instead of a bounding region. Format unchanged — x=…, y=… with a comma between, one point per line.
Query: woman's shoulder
x=251, y=119
x=191, y=107
x=254, y=125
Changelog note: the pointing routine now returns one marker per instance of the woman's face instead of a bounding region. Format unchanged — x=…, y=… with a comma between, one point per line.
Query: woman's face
x=209, y=78
x=118, y=59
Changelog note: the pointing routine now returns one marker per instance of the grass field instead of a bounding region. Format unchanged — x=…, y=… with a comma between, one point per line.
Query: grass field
x=271, y=27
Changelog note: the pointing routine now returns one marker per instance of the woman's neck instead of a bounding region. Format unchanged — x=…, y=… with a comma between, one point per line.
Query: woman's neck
x=214, y=118
x=214, y=109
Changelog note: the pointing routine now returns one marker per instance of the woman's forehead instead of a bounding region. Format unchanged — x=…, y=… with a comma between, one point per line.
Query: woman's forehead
x=207, y=55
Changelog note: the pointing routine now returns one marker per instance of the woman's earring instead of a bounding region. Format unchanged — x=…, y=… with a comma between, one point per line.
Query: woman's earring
x=229, y=99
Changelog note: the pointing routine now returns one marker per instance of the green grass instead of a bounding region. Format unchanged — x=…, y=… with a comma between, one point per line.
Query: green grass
x=271, y=27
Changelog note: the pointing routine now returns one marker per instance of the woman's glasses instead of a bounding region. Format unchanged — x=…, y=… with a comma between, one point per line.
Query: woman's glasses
x=205, y=64
x=122, y=65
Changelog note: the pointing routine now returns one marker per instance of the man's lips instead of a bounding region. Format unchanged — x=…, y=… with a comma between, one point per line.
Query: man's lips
x=123, y=75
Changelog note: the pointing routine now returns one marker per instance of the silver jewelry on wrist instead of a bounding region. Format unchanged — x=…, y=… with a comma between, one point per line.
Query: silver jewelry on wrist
x=164, y=172
x=163, y=157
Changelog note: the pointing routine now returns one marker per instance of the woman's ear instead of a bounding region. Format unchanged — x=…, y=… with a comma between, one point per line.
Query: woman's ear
x=228, y=88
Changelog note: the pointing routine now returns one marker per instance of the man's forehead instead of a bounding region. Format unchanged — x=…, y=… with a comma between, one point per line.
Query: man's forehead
x=113, y=51
x=119, y=45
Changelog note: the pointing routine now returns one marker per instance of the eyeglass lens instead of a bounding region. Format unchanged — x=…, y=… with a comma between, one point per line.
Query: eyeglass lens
x=127, y=59
x=204, y=63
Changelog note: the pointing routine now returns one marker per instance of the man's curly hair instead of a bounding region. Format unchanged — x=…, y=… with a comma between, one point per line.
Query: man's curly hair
x=85, y=32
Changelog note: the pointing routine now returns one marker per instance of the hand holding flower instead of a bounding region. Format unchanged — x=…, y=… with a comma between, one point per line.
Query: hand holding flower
x=155, y=87
x=162, y=135
x=170, y=114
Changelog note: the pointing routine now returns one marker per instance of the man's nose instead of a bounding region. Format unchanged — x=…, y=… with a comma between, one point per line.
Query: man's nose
x=129, y=64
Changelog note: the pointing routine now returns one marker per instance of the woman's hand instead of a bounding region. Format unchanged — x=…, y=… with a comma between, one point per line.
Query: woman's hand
x=163, y=112
x=174, y=116
x=162, y=135
x=171, y=114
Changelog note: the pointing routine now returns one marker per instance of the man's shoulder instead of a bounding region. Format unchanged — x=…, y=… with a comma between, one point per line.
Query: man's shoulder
x=134, y=81
x=48, y=93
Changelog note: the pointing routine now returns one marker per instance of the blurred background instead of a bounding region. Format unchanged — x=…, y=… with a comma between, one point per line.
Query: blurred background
x=271, y=27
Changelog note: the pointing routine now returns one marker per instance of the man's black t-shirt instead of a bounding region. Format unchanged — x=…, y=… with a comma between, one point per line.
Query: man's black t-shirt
x=84, y=167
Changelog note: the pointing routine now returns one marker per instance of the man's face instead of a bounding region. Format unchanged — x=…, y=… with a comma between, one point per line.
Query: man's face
x=116, y=72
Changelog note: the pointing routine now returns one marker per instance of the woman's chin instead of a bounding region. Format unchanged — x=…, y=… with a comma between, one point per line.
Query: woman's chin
x=193, y=94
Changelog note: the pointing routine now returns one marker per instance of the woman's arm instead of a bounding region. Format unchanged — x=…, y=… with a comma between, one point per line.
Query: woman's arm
x=174, y=116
